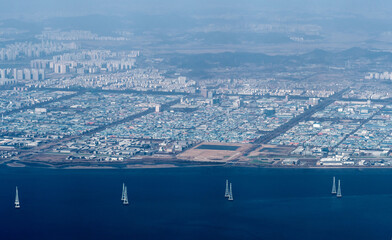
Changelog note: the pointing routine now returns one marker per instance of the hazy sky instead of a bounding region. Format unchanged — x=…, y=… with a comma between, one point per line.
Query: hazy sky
x=48, y=8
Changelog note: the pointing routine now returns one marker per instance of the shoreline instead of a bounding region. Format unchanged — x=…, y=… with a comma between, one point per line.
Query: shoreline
x=172, y=165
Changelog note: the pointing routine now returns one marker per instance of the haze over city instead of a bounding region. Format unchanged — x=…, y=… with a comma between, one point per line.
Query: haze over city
x=195, y=119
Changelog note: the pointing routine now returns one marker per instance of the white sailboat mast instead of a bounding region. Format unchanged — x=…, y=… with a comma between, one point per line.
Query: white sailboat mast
x=339, y=193
x=227, y=194
x=17, y=203
x=333, y=186
x=231, y=193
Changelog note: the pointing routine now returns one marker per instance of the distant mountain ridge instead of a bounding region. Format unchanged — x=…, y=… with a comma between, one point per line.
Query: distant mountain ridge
x=232, y=59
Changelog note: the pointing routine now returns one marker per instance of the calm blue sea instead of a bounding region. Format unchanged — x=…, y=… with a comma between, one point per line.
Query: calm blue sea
x=189, y=203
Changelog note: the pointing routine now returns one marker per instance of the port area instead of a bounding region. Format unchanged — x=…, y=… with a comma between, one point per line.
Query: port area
x=205, y=154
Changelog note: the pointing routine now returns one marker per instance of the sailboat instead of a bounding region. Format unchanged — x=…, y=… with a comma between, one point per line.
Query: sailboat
x=339, y=193
x=227, y=194
x=230, y=193
x=125, y=201
x=333, y=186
x=122, y=194
x=17, y=203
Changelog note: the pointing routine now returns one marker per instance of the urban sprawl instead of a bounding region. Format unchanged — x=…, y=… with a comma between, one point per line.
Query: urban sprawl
x=72, y=107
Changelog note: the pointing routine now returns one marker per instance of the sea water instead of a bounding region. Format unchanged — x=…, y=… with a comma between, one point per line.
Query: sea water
x=189, y=203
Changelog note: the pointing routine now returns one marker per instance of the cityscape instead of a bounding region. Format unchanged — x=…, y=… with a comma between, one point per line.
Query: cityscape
x=189, y=120
x=74, y=107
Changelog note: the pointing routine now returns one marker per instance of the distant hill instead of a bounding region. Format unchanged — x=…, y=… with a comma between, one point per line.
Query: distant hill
x=233, y=59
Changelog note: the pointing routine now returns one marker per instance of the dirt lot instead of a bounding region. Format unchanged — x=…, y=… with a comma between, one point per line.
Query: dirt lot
x=214, y=152
x=272, y=150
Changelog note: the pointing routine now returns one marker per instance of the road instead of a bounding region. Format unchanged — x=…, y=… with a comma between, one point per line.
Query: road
x=41, y=104
x=302, y=117
x=363, y=121
x=294, y=121
x=49, y=145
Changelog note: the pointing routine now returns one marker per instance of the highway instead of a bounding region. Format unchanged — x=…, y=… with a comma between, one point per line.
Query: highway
x=294, y=121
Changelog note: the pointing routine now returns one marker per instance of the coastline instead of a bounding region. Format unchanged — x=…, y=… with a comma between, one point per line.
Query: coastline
x=182, y=164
